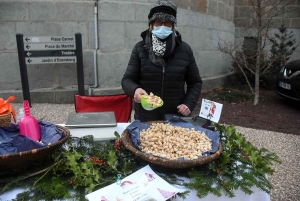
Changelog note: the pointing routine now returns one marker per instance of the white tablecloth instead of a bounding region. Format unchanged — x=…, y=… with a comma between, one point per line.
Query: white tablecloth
x=257, y=195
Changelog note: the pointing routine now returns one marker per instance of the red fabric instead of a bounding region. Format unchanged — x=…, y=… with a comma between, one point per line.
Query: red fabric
x=120, y=104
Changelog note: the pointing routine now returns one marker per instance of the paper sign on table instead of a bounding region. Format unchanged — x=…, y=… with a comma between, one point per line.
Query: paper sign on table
x=143, y=185
x=211, y=110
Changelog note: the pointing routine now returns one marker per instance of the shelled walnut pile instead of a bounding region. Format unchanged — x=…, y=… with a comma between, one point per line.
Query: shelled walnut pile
x=153, y=100
x=174, y=142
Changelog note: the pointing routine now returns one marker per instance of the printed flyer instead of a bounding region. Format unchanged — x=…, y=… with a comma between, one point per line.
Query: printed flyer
x=211, y=110
x=143, y=185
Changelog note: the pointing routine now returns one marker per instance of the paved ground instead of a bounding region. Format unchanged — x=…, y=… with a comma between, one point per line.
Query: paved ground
x=286, y=179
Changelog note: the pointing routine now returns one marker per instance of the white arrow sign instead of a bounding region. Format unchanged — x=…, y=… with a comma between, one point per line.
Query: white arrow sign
x=50, y=60
x=50, y=46
x=48, y=39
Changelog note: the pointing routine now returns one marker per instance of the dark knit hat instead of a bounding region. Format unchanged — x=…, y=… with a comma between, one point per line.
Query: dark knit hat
x=163, y=9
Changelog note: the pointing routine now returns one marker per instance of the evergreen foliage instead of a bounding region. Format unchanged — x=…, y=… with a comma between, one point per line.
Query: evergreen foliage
x=283, y=46
x=83, y=166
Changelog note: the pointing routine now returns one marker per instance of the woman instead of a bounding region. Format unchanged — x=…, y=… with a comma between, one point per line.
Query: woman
x=162, y=64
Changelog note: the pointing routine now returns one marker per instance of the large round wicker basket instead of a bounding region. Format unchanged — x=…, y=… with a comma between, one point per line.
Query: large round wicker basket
x=24, y=159
x=176, y=164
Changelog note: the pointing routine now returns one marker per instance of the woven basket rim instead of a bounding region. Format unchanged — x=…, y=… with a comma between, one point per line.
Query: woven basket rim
x=5, y=119
x=66, y=135
x=4, y=115
x=126, y=140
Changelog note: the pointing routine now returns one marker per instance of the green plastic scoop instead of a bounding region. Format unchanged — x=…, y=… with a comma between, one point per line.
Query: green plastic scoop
x=147, y=106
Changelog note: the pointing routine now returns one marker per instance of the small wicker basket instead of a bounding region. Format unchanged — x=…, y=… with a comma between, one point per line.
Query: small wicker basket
x=176, y=164
x=5, y=119
x=24, y=159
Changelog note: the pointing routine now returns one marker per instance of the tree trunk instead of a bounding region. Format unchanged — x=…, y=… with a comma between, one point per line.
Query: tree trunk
x=258, y=53
x=257, y=67
x=256, y=88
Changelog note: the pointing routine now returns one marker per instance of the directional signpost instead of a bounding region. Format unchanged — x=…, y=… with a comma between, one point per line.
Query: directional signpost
x=49, y=50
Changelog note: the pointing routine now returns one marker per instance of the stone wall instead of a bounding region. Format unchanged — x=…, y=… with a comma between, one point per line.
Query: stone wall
x=202, y=24
x=221, y=8
x=43, y=18
x=119, y=33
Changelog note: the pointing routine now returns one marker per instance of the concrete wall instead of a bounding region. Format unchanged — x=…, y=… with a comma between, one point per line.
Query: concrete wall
x=43, y=18
x=119, y=33
x=290, y=17
x=202, y=24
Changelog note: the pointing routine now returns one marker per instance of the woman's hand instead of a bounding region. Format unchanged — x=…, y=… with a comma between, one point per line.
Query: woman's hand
x=137, y=94
x=184, y=110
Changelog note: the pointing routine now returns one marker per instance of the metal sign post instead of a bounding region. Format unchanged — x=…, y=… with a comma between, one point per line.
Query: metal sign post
x=23, y=68
x=80, y=77
x=49, y=50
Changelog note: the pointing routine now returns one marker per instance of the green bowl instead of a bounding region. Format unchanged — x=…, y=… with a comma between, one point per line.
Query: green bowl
x=146, y=105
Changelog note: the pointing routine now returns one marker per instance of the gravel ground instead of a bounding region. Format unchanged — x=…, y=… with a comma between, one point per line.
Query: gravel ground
x=285, y=180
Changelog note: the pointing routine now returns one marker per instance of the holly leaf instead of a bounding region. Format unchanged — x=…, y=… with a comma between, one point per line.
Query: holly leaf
x=90, y=188
x=259, y=161
x=112, y=158
x=228, y=144
x=117, y=135
x=85, y=167
x=239, y=139
x=253, y=156
x=268, y=170
x=225, y=158
x=230, y=129
x=233, y=136
x=248, y=147
x=73, y=157
x=243, y=159
x=96, y=176
x=88, y=181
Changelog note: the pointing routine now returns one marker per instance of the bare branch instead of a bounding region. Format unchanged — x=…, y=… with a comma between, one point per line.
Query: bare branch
x=241, y=68
x=254, y=7
x=265, y=38
x=245, y=61
x=278, y=11
x=270, y=64
x=273, y=7
x=230, y=50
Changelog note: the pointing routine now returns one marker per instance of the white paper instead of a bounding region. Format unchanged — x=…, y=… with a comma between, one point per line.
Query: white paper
x=211, y=110
x=143, y=185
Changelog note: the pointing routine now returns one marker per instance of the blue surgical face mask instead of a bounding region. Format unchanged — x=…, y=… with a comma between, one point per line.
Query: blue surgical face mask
x=162, y=32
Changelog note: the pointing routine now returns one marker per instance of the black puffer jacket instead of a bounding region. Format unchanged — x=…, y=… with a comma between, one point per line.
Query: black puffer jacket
x=166, y=80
